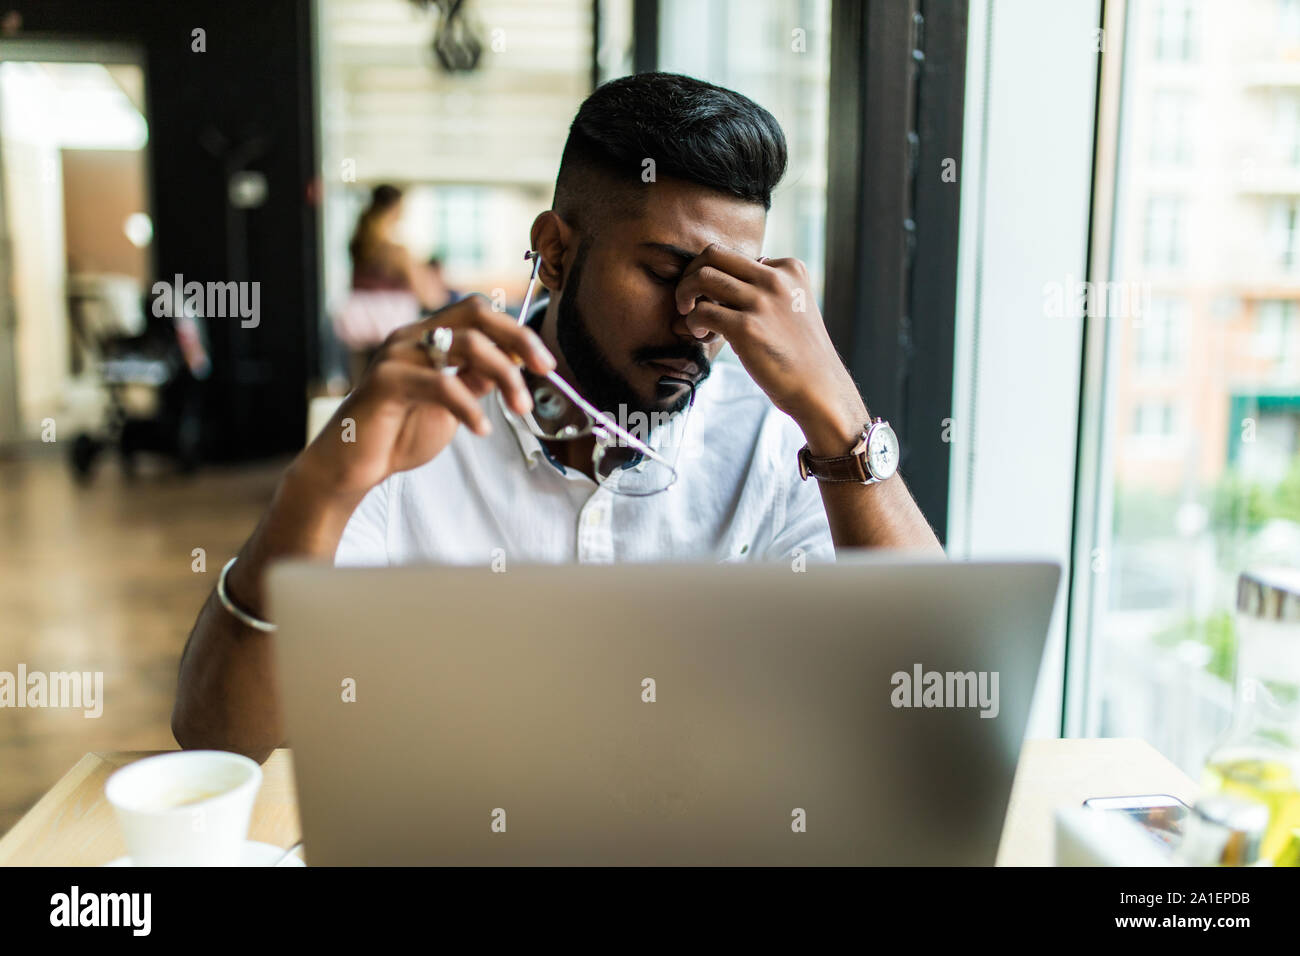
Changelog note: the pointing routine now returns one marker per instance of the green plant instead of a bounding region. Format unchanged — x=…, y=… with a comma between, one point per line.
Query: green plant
x=1238, y=505
x=1285, y=500
x=1215, y=632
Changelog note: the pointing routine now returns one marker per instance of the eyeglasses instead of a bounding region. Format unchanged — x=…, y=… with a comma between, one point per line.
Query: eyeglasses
x=621, y=462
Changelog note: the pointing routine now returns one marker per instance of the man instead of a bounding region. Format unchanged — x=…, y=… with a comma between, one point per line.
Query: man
x=651, y=257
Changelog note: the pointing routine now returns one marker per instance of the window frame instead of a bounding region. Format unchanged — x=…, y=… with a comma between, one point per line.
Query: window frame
x=892, y=222
x=1095, y=458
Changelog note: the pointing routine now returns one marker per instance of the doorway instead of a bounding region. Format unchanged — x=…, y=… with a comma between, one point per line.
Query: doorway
x=76, y=229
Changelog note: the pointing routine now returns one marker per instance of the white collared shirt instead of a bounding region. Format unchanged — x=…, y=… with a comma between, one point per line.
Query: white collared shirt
x=501, y=499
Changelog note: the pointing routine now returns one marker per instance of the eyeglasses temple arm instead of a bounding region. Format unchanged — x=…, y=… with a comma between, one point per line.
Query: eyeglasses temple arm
x=609, y=423
x=532, y=283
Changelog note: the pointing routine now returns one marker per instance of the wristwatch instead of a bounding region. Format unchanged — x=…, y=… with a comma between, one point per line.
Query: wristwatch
x=873, y=459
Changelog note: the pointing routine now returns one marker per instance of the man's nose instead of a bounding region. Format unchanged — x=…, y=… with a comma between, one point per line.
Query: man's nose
x=680, y=328
x=684, y=333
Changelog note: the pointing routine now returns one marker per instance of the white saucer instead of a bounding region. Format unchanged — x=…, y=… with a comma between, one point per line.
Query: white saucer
x=252, y=854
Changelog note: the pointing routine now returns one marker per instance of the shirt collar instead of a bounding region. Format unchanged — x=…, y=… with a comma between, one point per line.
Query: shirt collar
x=530, y=446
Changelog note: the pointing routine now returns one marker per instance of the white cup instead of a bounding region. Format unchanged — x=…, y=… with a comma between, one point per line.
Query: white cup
x=189, y=808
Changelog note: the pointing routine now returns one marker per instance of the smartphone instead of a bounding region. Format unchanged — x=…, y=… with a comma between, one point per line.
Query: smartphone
x=1160, y=814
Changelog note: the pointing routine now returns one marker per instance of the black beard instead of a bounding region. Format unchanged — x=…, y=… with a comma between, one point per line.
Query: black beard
x=594, y=377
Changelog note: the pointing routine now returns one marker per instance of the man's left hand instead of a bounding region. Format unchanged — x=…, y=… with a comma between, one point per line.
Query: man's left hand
x=767, y=311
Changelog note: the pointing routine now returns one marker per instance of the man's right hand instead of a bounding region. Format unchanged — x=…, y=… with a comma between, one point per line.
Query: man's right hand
x=404, y=411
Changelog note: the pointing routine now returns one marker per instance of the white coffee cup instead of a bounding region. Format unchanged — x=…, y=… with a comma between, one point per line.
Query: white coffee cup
x=189, y=808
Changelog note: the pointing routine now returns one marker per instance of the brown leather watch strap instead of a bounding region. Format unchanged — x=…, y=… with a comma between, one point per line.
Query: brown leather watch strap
x=850, y=467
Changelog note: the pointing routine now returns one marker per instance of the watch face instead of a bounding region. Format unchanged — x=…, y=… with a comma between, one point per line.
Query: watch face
x=882, y=452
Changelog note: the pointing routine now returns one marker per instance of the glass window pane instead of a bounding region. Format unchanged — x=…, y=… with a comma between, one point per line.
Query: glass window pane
x=476, y=151
x=778, y=54
x=1201, y=440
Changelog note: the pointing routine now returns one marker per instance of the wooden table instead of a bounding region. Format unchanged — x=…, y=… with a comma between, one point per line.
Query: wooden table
x=73, y=825
x=1064, y=773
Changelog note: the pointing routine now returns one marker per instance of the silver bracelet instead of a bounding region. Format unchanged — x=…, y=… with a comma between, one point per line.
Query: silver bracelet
x=243, y=616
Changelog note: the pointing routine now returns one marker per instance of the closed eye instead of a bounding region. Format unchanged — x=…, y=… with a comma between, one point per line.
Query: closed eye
x=662, y=280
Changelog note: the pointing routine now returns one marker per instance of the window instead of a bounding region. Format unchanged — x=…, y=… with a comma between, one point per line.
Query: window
x=1154, y=420
x=1164, y=231
x=1282, y=234
x=1158, y=338
x=1286, y=128
x=476, y=152
x=1277, y=334
x=1175, y=31
x=1288, y=21
x=1184, y=487
x=1171, y=127
x=461, y=222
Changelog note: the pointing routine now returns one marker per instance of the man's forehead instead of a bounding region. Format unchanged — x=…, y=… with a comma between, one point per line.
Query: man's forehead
x=683, y=218
x=686, y=237
x=686, y=254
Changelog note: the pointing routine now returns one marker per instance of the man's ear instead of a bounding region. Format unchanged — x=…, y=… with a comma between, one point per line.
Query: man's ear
x=551, y=237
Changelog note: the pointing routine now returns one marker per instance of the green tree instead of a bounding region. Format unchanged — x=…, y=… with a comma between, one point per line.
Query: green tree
x=1285, y=500
x=1215, y=632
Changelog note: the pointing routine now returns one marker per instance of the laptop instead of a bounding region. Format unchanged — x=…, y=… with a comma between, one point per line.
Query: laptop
x=865, y=712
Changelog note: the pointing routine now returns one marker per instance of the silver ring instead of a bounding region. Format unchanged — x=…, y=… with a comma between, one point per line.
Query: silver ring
x=437, y=342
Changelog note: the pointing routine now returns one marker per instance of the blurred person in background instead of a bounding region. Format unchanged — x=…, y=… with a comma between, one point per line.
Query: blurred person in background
x=390, y=288
x=434, y=268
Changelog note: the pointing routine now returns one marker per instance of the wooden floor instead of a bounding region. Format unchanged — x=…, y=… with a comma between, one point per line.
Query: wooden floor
x=98, y=578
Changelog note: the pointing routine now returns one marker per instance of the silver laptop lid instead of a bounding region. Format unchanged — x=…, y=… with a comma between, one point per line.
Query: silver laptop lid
x=867, y=712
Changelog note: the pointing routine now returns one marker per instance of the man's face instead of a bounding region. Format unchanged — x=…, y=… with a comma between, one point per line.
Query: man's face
x=617, y=323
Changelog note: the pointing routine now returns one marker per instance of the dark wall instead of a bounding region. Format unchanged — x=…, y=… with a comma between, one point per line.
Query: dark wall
x=897, y=82
x=244, y=104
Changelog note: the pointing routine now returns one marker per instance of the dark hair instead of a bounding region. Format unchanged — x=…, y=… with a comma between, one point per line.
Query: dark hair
x=364, y=239
x=384, y=197
x=693, y=130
